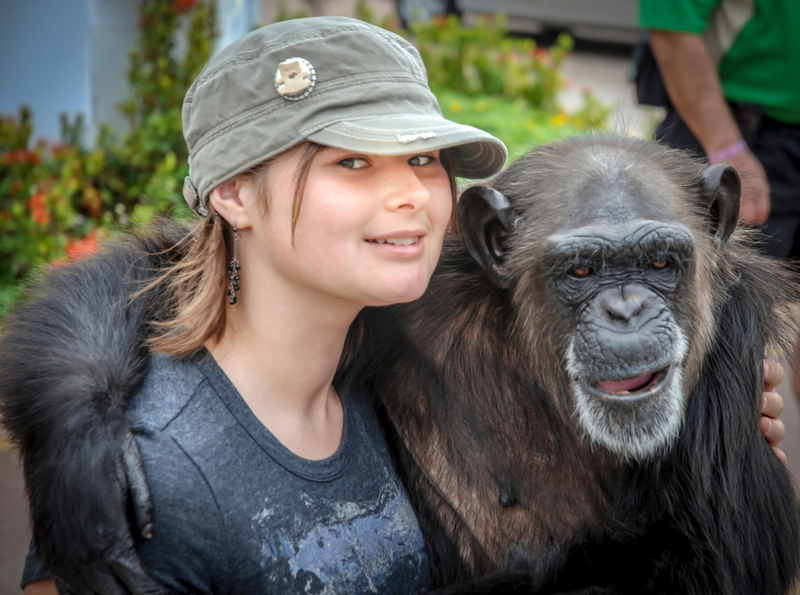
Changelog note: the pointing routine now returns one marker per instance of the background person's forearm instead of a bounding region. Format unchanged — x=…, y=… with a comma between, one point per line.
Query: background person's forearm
x=694, y=88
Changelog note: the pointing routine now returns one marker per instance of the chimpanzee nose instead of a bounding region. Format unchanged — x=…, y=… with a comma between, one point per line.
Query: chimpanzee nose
x=624, y=303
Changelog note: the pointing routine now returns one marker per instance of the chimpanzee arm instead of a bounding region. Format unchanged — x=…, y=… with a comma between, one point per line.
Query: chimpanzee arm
x=72, y=355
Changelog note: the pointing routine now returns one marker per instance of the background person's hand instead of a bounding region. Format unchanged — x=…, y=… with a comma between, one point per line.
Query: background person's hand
x=755, y=201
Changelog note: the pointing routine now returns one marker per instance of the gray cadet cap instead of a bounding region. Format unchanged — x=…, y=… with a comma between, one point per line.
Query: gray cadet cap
x=332, y=80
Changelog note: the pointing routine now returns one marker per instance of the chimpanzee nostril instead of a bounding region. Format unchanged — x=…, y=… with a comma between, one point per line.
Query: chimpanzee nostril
x=623, y=303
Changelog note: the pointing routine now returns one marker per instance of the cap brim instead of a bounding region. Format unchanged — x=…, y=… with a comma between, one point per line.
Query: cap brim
x=476, y=154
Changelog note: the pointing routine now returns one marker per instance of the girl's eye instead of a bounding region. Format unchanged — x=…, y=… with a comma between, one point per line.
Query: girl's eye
x=580, y=272
x=421, y=160
x=354, y=163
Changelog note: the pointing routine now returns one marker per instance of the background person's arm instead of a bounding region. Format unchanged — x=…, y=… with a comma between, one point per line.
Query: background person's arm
x=694, y=88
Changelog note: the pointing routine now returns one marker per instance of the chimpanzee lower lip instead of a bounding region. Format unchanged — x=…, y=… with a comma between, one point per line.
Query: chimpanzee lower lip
x=650, y=384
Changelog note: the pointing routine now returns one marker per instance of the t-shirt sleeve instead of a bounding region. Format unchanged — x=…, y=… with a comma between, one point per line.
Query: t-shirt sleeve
x=188, y=550
x=34, y=569
x=690, y=16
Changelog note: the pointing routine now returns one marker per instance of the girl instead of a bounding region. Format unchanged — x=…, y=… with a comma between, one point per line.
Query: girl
x=325, y=175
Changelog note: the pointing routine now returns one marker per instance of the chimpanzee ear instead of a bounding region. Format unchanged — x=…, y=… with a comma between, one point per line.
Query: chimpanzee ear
x=486, y=218
x=721, y=190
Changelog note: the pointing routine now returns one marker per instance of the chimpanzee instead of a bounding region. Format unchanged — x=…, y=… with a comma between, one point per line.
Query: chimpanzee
x=577, y=392
x=573, y=404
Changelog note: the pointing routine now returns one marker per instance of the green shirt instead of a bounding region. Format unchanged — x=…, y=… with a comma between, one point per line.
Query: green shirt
x=756, y=44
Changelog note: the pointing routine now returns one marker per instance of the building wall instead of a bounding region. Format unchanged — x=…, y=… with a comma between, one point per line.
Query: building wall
x=45, y=59
x=115, y=33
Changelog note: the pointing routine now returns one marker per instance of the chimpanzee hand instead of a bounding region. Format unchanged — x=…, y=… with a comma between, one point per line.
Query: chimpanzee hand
x=110, y=565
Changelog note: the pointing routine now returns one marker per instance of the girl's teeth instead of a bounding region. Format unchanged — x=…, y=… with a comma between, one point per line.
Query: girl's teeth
x=399, y=241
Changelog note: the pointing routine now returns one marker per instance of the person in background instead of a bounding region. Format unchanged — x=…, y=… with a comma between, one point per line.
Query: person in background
x=412, y=11
x=731, y=70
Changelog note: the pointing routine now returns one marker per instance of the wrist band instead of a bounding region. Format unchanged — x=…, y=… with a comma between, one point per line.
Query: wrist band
x=727, y=152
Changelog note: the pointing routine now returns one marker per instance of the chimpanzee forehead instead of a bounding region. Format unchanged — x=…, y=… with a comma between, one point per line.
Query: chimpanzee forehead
x=616, y=195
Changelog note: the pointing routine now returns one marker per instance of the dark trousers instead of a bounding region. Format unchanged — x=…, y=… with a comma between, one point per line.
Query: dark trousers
x=777, y=146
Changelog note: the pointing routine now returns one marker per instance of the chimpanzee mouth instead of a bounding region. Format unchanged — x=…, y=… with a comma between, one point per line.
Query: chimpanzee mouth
x=632, y=389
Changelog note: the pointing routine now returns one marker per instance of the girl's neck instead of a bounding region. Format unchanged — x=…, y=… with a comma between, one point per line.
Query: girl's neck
x=281, y=350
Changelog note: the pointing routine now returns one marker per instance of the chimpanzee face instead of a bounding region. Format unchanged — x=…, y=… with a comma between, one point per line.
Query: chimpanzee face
x=625, y=358
x=614, y=278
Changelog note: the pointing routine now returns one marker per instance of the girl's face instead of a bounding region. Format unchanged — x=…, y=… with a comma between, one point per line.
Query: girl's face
x=370, y=228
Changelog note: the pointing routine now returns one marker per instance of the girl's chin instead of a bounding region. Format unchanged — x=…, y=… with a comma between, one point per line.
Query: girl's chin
x=399, y=297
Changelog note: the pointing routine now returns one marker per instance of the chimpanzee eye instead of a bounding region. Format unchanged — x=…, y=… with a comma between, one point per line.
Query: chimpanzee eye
x=659, y=264
x=580, y=272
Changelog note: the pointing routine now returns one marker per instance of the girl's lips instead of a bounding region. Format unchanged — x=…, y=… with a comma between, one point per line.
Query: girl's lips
x=398, y=235
x=399, y=245
x=402, y=242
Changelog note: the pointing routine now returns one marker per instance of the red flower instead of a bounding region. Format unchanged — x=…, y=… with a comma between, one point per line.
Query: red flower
x=77, y=249
x=39, y=211
x=21, y=156
x=183, y=5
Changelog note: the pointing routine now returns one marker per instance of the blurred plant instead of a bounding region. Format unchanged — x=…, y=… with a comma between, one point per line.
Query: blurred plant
x=485, y=60
x=57, y=201
x=512, y=120
x=284, y=14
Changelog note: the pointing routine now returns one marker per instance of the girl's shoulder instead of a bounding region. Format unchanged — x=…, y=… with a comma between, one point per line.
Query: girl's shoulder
x=168, y=387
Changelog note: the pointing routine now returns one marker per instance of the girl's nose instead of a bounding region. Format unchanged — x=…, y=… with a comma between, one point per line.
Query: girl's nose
x=405, y=190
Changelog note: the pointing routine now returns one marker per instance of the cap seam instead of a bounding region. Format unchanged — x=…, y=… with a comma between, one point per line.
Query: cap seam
x=265, y=109
x=384, y=140
x=445, y=123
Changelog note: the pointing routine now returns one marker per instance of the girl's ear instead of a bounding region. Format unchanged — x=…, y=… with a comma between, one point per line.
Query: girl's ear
x=230, y=202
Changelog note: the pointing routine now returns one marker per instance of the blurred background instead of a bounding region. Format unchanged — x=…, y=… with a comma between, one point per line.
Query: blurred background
x=90, y=133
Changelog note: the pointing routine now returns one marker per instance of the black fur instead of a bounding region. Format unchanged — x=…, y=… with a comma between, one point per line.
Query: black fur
x=713, y=515
x=71, y=357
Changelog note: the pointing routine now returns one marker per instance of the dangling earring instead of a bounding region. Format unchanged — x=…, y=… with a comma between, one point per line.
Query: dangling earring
x=234, y=269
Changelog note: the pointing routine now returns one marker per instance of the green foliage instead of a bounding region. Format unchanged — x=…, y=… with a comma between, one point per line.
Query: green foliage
x=284, y=14
x=57, y=201
x=513, y=121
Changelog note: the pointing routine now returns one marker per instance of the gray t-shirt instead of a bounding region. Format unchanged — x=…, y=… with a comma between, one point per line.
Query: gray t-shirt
x=237, y=512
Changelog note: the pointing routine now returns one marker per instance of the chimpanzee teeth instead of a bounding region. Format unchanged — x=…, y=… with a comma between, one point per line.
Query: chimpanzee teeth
x=398, y=241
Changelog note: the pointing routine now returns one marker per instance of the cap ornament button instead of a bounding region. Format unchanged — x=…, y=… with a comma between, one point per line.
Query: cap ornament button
x=295, y=78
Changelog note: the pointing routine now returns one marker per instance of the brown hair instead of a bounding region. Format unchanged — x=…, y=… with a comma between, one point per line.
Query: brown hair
x=193, y=290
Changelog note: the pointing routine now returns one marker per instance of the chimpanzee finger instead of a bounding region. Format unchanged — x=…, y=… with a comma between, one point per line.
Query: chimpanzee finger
x=771, y=404
x=63, y=589
x=92, y=582
x=773, y=375
x=773, y=429
x=137, y=484
x=101, y=581
x=128, y=568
